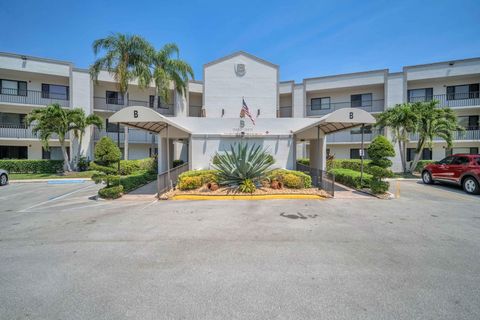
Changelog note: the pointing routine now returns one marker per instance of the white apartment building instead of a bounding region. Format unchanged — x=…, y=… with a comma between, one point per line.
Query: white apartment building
x=29, y=82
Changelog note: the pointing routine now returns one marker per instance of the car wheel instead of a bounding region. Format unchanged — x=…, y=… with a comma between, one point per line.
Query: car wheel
x=3, y=179
x=427, y=177
x=470, y=185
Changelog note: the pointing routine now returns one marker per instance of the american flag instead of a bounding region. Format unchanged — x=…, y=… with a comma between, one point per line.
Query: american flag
x=245, y=111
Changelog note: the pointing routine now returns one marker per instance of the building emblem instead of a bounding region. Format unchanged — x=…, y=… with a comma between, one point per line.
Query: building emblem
x=240, y=69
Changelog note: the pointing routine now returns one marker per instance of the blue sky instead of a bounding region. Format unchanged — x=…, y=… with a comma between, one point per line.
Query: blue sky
x=306, y=38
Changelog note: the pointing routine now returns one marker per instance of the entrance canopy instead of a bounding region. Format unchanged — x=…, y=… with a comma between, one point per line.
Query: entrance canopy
x=338, y=120
x=148, y=119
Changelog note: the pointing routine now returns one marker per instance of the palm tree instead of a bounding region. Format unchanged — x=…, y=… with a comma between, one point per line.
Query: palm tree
x=168, y=70
x=432, y=122
x=402, y=120
x=80, y=123
x=127, y=58
x=53, y=120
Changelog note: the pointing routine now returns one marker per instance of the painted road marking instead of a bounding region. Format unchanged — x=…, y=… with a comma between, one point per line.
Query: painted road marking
x=64, y=181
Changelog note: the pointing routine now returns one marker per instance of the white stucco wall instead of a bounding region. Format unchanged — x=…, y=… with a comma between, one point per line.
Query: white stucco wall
x=224, y=89
x=298, y=101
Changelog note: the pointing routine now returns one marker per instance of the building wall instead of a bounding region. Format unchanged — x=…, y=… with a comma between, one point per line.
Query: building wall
x=224, y=89
x=344, y=94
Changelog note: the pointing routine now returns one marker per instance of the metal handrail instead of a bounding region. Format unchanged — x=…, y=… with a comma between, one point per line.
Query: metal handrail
x=457, y=135
x=20, y=131
x=452, y=100
x=167, y=179
x=320, y=178
x=377, y=105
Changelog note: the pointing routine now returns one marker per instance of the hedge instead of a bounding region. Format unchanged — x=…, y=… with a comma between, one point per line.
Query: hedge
x=32, y=166
x=351, y=178
x=136, y=180
x=421, y=164
x=127, y=167
x=280, y=174
x=111, y=192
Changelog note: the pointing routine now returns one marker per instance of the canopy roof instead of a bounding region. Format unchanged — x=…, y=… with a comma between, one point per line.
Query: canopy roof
x=145, y=118
x=305, y=128
x=338, y=120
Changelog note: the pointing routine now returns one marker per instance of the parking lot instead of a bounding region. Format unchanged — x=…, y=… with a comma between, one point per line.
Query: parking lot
x=65, y=255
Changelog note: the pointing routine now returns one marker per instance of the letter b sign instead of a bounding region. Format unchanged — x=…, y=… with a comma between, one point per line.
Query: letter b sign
x=135, y=113
x=350, y=115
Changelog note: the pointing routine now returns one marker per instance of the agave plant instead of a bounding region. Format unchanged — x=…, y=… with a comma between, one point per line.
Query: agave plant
x=242, y=162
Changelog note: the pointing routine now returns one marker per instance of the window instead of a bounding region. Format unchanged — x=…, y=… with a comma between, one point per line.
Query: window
x=355, y=154
x=151, y=101
x=320, y=103
x=13, y=152
x=426, y=154
x=16, y=120
x=469, y=122
x=14, y=88
x=420, y=95
x=478, y=161
x=466, y=91
x=447, y=160
x=461, y=161
x=55, y=91
x=366, y=130
x=54, y=153
x=361, y=100
x=113, y=127
x=114, y=97
x=155, y=152
x=468, y=150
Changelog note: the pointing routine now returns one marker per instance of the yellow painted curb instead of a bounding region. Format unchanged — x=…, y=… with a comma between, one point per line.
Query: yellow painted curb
x=246, y=197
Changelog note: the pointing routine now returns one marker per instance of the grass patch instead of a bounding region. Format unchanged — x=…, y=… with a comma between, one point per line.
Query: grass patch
x=71, y=175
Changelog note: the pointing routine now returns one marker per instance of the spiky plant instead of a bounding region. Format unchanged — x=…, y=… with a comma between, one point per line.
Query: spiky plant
x=242, y=162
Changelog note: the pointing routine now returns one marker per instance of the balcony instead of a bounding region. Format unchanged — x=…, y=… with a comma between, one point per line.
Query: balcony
x=347, y=137
x=195, y=111
x=454, y=100
x=369, y=106
x=134, y=136
x=30, y=97
x=285, y=112
x=458, y=135
x=114, y=105
x=21, y=132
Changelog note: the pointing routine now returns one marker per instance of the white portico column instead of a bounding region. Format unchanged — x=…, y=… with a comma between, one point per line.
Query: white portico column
x=318, y=151
x=125, y=144
x=162, y=153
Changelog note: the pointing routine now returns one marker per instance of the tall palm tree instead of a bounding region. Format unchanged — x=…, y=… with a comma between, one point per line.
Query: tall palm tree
x=53, y=120
x=80, y=123
x=402, y=120
x=126, y=57
x=432, y=122
x=168, y=68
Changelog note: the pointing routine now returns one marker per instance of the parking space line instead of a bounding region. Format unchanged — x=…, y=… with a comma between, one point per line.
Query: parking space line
x=56, y=198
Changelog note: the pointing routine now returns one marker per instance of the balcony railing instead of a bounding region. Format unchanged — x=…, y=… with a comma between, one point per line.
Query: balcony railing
x=31, y=97
x=195, y=111
x=347, y=136
x=114, y=104
x=285, y=112
x=454, y=100
x=21, y=132
x=370, y=106
x=134, y=136
x=457, y=135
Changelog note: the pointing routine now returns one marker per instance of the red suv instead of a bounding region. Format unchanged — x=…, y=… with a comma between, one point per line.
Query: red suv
x=460, y=169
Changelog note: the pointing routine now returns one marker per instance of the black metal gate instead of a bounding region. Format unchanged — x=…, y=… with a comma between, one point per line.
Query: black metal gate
x=320, y=178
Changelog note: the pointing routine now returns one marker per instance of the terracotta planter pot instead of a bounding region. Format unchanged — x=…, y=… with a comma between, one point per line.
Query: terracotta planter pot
x=212, y=186
x=276, y=185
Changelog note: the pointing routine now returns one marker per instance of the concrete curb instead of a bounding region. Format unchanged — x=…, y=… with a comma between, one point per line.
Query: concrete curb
x=247, y=197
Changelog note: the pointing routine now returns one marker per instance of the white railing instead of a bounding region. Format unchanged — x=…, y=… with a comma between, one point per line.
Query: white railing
x=166, y=180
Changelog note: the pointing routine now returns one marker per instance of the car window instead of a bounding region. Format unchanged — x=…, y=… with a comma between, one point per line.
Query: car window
x=460, y=161
x=478, y=161
x=447, y=160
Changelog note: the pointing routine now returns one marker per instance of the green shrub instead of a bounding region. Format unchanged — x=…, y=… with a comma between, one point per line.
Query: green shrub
x=206, y=175
x=351, y=178
x=136, y=180
x=421, y=164
x=379, y=186
x=190, y=183
x=279, y=174
x=304, y=161
x=247, y=186
x=106, y=152
x=109, y=180
x=83, y=163
x=352, y=164
x=32, y=166
x=379, y=152
x=111, y=192
x=105, y=169
x=293, y=181
x=178, y=162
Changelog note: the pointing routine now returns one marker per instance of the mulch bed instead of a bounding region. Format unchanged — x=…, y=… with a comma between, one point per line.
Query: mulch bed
x=226, y=191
